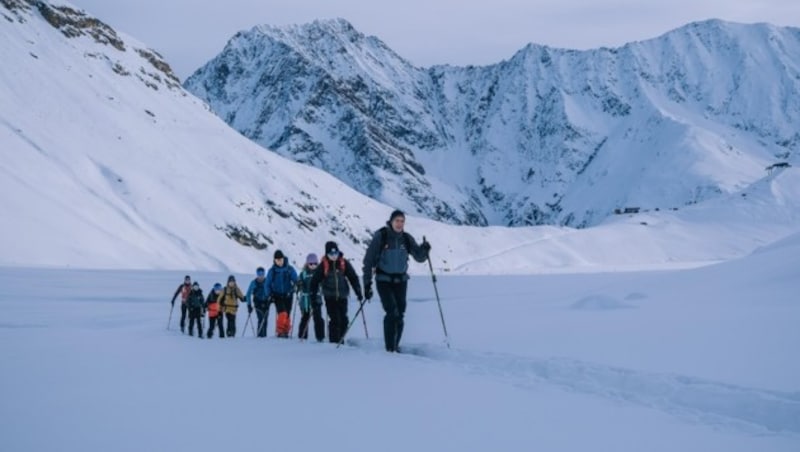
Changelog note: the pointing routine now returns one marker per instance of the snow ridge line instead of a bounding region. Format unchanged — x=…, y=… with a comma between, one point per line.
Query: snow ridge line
x=710, y=402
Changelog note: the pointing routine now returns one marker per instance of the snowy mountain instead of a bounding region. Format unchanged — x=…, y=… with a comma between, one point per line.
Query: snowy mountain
x=109, y=163
x=550, y=136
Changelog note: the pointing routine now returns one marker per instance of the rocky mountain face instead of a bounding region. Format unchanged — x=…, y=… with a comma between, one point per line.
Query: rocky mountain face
x=74, y=23
x=549, y=136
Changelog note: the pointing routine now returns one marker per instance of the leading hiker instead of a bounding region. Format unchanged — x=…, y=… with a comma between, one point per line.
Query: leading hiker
x=387, y=260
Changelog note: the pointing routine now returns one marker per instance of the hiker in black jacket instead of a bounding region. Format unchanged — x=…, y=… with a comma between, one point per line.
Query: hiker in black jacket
x=334, y=273
x=387, y=259
x=195, y=303
x=310, y=308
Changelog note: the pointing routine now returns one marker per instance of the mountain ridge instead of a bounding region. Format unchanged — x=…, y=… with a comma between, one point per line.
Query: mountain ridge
x=508, y=143
x=108, y=163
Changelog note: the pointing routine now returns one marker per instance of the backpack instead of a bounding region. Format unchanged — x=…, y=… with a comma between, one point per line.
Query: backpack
x=326, y=266
x=385, y=239
x=282, y=280
x=195, y=299
x=258, y=291
x=212, y=305
x=185, y=290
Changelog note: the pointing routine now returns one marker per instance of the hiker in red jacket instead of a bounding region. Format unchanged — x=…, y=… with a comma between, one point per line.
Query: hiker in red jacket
x=334, y=272
x=184, y=290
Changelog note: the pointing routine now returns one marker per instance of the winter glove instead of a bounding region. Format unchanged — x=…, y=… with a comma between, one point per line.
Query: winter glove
x=249, y=308
x=173, y=303
x=368, y=291
x=426, y=246
x=359, y=297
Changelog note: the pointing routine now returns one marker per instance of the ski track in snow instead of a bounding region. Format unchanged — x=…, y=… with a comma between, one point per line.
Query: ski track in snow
x=751, y=410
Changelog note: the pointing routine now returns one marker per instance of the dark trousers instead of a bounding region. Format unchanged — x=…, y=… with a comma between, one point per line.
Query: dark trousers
x=283, y=303
x=337, y=318
x=231, y=321
x=393, y=300
x=262, y=314
x=196, y=316
x=215, y=321
x=315, y=311
x=184, y=309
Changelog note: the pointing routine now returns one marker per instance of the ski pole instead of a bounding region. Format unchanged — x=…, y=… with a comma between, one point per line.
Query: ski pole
x=263, y=322
x=294, y=312
x=438, y=302
x=360, y=308
x=244, y=330
x=364, y=319
x=302, y=332
x=170, y=314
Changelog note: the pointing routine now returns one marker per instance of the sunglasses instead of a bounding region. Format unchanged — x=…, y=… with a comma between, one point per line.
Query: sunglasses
x=312, y=264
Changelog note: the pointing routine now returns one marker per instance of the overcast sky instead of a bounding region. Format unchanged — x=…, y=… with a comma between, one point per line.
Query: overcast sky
x=188, y=33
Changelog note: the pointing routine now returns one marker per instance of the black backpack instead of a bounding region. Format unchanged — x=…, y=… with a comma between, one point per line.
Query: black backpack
x=258, y=292
x=195, y=299
x=385, y=239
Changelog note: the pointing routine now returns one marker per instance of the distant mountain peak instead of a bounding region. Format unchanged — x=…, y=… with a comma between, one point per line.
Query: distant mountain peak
x=550, y=136
x=316, y=28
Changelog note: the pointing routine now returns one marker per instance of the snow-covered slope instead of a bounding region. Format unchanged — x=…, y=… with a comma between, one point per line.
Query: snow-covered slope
x=550, y=136
x=106, y=157
x=108, y=163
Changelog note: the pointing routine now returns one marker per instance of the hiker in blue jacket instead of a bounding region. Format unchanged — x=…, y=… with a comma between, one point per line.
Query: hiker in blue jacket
x=281, y=281
x=257, y=296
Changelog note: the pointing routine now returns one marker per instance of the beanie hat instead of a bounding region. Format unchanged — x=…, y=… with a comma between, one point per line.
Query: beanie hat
x=331, y=247
x=312, y=259
x=231, y=278
x=396, y=213
x=196, y=285
x=260, y=271
x=278, y=254
x=217, y=286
